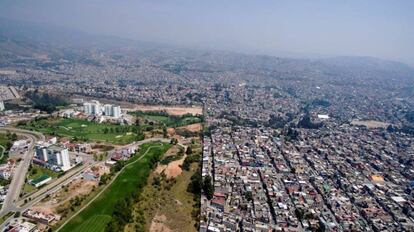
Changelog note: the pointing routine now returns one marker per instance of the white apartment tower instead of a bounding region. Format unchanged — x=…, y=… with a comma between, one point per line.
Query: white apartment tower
x=116, y=111
x=87, y=108
x=54, y=155
x=93, y=108
x=108, y=110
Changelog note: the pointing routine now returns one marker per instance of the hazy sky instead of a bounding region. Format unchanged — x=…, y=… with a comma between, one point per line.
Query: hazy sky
x=379, y=28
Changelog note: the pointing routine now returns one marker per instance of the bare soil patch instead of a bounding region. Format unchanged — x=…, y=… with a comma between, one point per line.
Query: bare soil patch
x=192, y=127
x=173, y=169
x=172, y=110
x=171, y=131
x=60, y=199
x=157, y=224
x=370, y=123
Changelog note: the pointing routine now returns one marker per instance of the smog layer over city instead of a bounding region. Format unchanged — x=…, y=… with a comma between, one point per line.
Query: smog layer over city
x=209, y=116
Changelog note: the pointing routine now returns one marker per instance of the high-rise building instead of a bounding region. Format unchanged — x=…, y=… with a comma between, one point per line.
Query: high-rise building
x=41, y=152
x=108, y=110
x=96, y=108
x=93, y=108
x=87, y=107
x=54, y=155
x=59, y=156
x=116, y=111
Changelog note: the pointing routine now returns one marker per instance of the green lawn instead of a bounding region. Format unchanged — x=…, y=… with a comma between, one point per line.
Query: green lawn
x=131, y=180
x=36, y=171
x=84, y=130
x=4, y=140
x=5, y=217
x=162, y=199
x=6, y=143
x=95, y=223
x=28, y=188
x=168, y=120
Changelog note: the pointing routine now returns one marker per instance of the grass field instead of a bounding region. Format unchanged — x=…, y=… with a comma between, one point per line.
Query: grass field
x=166, y=198
x=4, y=140
x=28, y=188
x=85, y=130
x=168, y=120
x=95, y=223
x=131, y=180
x=170, y=199
x=5, y=143
x=36, y=171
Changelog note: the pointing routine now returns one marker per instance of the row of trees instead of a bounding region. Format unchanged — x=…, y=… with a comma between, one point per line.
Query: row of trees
x=122, y=214
x=198, y=186
x=121, y=129
x=191, y=158
x=10, y=138
x=45, y=102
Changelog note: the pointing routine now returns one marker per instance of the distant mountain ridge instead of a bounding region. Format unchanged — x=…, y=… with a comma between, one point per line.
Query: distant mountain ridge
x=20, y=41
x=57, y=36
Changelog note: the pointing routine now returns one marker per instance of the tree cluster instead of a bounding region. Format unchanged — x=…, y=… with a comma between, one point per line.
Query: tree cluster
x=45, y=101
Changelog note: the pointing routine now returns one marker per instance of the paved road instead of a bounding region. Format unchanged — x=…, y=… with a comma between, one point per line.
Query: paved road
x=20, y=171
x=50, y=187
x=37, y=135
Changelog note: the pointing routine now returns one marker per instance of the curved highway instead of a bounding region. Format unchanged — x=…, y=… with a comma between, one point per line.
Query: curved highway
x=20, y=171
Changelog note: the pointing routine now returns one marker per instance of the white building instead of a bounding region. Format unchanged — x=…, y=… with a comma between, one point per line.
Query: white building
x=54, y=155
x=6, y=171
x=43, y=179
x=2, y=106
x=22, y=226
x=87, y=107
x=108, y=109
x=93, y=108
x=96, y=108
x=59, y=156
x=116, y=111
x=323, y=116
x=77, y=100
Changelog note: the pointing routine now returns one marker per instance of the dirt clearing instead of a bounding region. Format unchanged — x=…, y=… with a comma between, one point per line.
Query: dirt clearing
x=172, y=110
x=172, y=169
x=192, y=127
x=370, y=124
x=157, y=224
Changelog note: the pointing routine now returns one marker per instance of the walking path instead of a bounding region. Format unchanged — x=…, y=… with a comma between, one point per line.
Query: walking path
x=106, y=187
x=2, y=151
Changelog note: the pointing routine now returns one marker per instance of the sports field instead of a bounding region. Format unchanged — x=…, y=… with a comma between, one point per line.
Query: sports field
x=131, y=180
x=84, y=130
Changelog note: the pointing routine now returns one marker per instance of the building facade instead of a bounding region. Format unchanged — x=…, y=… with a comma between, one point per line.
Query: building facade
x=54, y=155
